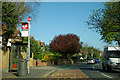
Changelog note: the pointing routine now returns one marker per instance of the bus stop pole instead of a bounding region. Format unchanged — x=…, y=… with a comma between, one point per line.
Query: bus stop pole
x=28, y=47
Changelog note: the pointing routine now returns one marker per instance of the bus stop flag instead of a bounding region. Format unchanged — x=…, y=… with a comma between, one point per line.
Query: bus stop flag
x=24, y=30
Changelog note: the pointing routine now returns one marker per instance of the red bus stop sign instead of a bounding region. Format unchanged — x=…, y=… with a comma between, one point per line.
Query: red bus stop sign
x=24, y=26
x=29, y=19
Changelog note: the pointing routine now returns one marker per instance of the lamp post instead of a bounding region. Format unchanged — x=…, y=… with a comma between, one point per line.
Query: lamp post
x=92, y=53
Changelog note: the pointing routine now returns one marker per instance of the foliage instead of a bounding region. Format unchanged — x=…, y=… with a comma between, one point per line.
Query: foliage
x=38, y=56
x=12, y=15
x=35, y=48
x=48, y=57
x=106, y=21
x=66, y=45
x=90, y=50
x=46, y=47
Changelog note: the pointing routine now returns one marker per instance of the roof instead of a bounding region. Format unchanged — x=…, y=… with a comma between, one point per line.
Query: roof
x=22, y=43
x=113, y=48
x=42, y=44
x=101, y=52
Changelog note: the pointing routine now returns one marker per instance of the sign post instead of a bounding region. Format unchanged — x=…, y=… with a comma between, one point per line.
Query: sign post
x=29, y=19
x=26, y=33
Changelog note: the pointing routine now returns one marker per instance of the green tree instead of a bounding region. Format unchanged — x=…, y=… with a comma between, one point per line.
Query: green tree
x=46, y=47
x=106, y=21
x=89, y=51
x=35, y=48
x=12, y=15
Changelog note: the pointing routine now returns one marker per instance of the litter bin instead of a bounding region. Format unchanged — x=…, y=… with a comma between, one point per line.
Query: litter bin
x=22, y=71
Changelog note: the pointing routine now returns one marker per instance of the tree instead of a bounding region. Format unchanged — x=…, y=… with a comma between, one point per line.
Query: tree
x=67, y=45
x=46, y=47
x=89, y=50
x=35, y=48
x=12, y=15
x=106, y=21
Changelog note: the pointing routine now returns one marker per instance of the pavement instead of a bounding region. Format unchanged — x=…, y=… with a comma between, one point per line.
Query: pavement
x=37, y=72
x=61, y=71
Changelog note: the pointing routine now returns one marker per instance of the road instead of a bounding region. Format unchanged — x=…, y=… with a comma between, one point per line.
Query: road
x=95, y=70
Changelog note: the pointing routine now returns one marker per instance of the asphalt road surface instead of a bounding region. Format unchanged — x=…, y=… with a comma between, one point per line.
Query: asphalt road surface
x=96, y=71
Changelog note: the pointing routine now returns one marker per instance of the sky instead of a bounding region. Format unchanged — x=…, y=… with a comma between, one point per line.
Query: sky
x=54, y=18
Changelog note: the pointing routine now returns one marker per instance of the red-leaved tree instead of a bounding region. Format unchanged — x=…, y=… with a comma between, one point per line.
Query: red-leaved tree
x=67, y=45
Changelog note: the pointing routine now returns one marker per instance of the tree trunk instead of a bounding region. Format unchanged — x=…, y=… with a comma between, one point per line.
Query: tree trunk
x=72, y=62
x=118, y=43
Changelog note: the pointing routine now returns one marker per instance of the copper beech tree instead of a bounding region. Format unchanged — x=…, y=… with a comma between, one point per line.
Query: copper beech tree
x=67, y=45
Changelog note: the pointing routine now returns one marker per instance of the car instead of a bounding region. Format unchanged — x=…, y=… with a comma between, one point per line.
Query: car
x=90, y=60
x=97, y=60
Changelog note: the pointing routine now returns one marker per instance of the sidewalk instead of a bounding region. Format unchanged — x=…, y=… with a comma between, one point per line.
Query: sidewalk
x=37, y=72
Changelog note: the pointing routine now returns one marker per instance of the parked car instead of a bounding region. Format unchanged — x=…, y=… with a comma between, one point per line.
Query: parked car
x=97, y=61
x=90, y=60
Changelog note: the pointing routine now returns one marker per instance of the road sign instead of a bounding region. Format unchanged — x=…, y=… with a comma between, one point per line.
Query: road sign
x=24, y=26
x=29, y=19
x=24, y=32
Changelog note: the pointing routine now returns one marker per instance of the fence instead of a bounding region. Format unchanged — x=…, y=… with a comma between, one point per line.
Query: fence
x=56, y=62
x=43, y=63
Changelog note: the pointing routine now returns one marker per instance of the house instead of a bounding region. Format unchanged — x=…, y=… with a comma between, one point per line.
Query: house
x=42, y=44
x=101, y=53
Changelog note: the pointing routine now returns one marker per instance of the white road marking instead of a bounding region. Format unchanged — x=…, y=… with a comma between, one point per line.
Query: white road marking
x=106, y=75
x=100, y=72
